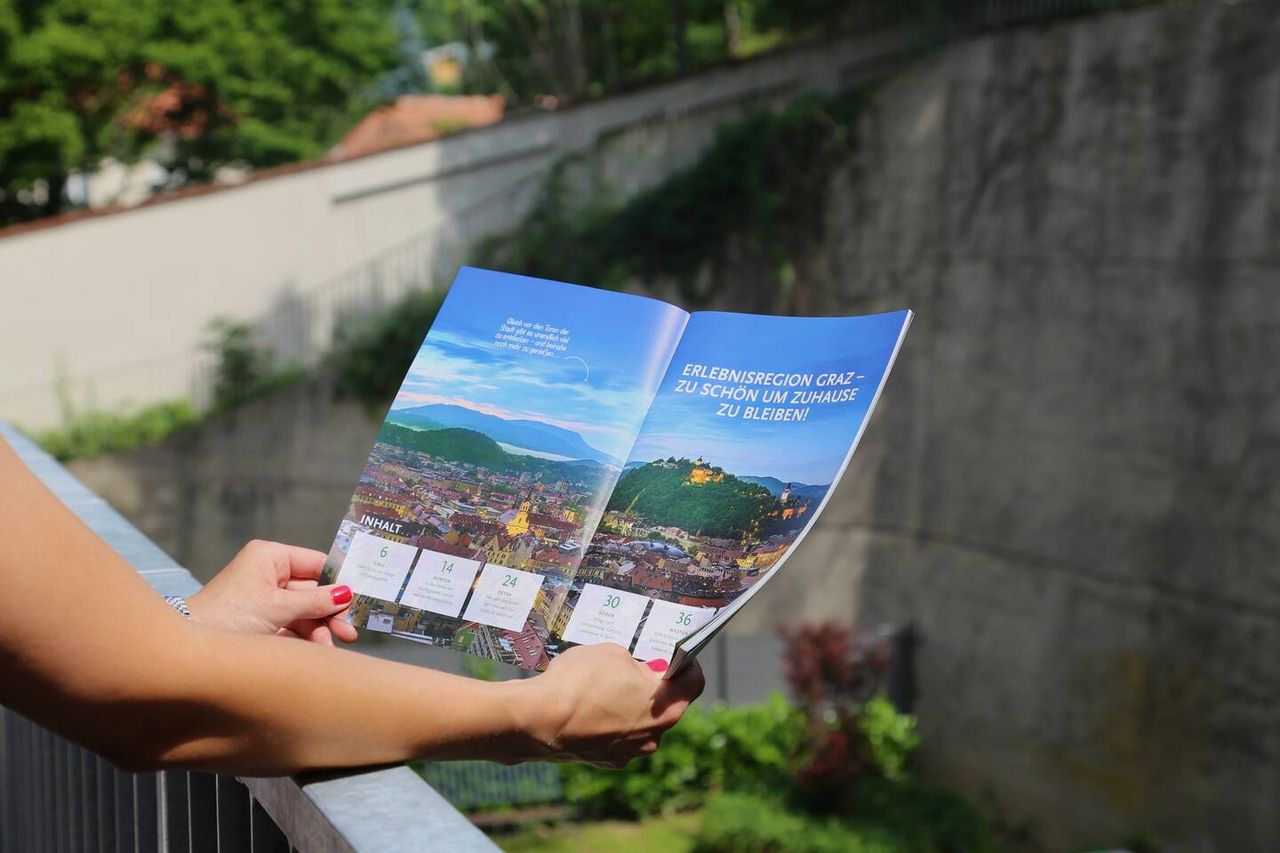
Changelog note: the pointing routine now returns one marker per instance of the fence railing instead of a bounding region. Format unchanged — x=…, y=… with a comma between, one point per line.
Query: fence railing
x=55, y=796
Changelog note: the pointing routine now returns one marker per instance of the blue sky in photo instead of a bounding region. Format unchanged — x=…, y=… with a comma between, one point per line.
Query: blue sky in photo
x=810, y=451
x=599, y=387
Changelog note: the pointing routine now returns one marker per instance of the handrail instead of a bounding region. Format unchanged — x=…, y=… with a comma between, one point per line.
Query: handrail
x=56, y=796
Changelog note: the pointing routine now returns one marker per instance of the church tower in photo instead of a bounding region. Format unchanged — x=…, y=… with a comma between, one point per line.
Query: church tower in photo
x=519, y=525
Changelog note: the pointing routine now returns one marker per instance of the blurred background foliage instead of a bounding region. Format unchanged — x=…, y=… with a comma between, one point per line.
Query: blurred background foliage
x=256, y=82
x=249, y=84
x=828, y=772
x=762, y=182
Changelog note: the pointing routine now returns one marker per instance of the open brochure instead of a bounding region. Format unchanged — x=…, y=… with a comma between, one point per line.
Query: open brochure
x=565, y=465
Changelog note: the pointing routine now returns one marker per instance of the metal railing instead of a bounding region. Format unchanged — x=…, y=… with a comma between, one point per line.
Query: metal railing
x=55, y=796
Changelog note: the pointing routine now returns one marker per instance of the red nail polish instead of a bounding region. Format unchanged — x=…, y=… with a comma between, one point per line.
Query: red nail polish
x=657, y=665
x=342, y=595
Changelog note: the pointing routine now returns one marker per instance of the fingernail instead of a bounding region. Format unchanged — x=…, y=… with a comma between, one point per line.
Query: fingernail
x=342, y=595
x=657, y=665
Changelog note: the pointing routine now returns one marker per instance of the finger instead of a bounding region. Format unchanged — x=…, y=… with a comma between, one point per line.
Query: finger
x=342, y=629
x=318, y=602
x=320, y=634
x=291, y=561
x=295, y=583
x=689, y=682
x=675, y=694
x=285, y=632
x=313, y=631
x=304, y=563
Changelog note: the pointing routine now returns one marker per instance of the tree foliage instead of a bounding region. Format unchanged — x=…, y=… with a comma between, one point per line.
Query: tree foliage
x=259, y=82
x=529, y=49
x=198, y=84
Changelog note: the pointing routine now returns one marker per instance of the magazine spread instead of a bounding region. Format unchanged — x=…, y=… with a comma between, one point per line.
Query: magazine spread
x=564, y=465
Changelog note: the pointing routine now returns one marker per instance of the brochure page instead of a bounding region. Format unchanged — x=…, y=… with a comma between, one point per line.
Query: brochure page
x=753, y=424
x=496, y=461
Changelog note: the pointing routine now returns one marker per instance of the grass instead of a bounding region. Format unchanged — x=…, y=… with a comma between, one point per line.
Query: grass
x=674, y=834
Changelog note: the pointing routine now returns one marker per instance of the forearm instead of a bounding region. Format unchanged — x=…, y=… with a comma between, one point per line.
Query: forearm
x=301, y=705
x=89, y=650
x=180, y=695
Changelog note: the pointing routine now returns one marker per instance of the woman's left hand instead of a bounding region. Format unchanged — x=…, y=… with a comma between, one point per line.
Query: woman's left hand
x=270, y=588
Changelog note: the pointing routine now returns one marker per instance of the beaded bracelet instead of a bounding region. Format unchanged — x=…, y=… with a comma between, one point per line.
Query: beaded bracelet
x=179, y=604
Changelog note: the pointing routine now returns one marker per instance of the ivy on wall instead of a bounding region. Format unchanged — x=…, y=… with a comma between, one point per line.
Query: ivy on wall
x=763, y=180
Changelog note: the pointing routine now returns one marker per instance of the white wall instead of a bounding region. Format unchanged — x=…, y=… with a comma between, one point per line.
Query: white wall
x=119, y=302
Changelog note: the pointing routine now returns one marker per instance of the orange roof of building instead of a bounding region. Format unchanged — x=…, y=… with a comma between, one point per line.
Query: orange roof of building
x=417, y=118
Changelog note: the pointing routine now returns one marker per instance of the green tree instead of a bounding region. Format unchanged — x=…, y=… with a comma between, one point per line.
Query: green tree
x=570, y=48
x=259, y=82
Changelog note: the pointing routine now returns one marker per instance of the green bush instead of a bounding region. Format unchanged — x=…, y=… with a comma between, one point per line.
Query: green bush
x=744, y=748
x=244, y=371
x=736, y=823
x=371, y=363
x=890, y=736
x=920, y=817
x=93, y=433
x=902, y=817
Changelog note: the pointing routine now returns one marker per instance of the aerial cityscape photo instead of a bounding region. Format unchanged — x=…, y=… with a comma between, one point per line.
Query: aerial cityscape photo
x=496, y=461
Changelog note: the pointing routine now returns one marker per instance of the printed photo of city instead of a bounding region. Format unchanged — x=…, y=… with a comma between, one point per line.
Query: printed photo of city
x=501, y=449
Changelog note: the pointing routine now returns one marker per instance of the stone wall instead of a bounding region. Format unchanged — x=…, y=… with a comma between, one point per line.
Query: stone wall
x=1070, y=486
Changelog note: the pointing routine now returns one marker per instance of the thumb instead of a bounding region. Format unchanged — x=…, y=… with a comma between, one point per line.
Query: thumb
x=317, y=602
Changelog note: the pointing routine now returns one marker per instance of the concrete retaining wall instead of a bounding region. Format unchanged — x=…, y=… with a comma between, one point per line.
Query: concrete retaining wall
x=1071, y=487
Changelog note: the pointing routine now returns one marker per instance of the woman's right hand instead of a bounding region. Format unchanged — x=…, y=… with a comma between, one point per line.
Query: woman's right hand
x=605, y=708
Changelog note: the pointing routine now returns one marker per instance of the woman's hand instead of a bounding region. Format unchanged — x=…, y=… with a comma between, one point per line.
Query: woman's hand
x=270, y=588
x=605, y=708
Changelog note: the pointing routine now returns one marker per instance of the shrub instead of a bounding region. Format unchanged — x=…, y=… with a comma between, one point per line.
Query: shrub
x=890, y=737
x=892, y=816
x=93, y=433
x=835, y=675
x=371, y=362
x=919, y=817
x=244, y=370
x=746, y=748
x=734, y=823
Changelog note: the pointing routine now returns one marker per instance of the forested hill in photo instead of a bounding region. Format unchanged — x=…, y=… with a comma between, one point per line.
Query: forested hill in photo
x=467, y=445
x=530, y=434
x=661, y=493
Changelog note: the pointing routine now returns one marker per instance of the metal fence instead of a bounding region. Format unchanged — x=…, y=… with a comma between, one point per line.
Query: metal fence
x=482, y=784
x=55, y=796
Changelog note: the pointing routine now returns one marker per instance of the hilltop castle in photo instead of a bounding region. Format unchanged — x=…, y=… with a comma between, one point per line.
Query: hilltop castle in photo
x=704, y=473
